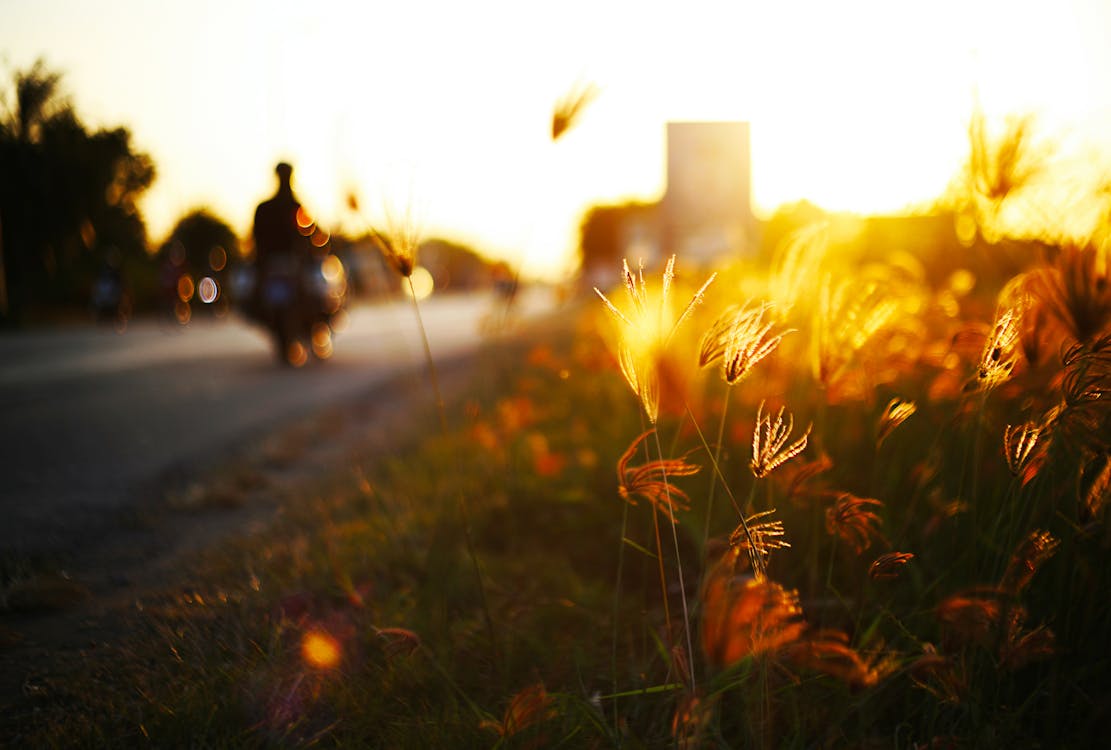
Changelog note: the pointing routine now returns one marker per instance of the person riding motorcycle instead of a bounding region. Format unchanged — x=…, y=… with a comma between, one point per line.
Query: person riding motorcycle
x=281, y=299
x=279, y=246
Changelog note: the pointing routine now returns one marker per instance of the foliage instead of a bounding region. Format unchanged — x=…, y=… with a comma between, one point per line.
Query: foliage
x=67, y=199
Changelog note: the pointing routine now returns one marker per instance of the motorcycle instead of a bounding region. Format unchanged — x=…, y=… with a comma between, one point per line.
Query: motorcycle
x=297, y=300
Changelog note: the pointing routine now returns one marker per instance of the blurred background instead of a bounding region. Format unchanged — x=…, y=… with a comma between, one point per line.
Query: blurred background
x=135, y=140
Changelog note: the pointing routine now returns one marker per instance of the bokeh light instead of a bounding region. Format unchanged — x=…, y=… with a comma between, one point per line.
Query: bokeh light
x=217, y=258
x=208, y=290
x=296, y=354
x=422, y=283
x=185, y=288
x=322, y=341
x=320, y=650
x=332, y=269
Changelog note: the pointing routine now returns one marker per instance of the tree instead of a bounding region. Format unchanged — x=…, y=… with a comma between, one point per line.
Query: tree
x=68, y=199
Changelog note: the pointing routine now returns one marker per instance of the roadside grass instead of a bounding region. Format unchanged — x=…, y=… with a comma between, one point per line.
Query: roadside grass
x=897, y=574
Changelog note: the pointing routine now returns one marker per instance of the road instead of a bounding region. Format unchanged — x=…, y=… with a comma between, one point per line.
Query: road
x=89, y=416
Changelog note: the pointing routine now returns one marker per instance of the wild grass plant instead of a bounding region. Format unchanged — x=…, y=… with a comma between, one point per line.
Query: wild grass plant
x=925, y=565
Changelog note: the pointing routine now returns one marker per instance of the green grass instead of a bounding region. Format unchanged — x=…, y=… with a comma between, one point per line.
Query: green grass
x=532, y=447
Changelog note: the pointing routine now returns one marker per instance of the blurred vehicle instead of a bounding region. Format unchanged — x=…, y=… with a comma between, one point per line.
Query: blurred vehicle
x=297, y=300
x=107, y=296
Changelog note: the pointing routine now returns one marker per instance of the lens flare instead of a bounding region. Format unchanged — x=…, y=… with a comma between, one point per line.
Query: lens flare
x=320, y=650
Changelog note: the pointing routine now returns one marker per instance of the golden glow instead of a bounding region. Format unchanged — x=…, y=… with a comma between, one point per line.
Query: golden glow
x=296, y=354
x=340, y=321
x=859, y=105
x=185, y=287
x=320, y=238
x=332, y=269
x=422, y=283
x=322, y=341
x=320, y=650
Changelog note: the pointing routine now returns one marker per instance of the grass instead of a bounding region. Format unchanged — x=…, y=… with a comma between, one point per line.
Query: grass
x=900, y=599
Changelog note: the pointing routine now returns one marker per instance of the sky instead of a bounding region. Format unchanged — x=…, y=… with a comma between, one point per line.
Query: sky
x=439, y=110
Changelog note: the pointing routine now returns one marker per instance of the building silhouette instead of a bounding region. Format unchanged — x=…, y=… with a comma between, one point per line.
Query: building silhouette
x=704, y=214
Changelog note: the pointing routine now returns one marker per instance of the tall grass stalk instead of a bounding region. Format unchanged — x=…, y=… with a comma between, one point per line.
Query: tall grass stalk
x=754, y=557
x=679, y=568
x=432, y=373
x=716, y=460
x=616, y=610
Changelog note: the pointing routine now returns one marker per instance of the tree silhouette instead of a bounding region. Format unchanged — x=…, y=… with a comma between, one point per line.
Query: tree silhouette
x=67, y=199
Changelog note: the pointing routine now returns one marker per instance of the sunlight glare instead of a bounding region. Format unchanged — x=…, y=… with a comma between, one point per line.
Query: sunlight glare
x=422, y=284
x=320, y=650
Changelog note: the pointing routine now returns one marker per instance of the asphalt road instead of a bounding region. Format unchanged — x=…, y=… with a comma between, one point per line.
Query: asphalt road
x=90, y=417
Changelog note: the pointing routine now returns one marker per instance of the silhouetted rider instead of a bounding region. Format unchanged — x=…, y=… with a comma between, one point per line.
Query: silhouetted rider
x=279, y=246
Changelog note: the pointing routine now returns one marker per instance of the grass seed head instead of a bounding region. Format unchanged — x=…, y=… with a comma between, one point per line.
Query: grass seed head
x=889, y=565
x=1018, y=445
x=1076, y=290
x=997, y=359
x=744, y=617
x=569, y=108
x=529, y=707
x=897, y=412
x=739, y=338
x=766, y=536
x=828, y=651
x=852, y=519
x=1031, y=554
x=650, y=481
x=769, y=442
x=645, y=330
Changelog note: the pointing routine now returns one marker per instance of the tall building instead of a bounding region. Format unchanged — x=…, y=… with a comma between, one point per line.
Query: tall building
x=706, y=211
